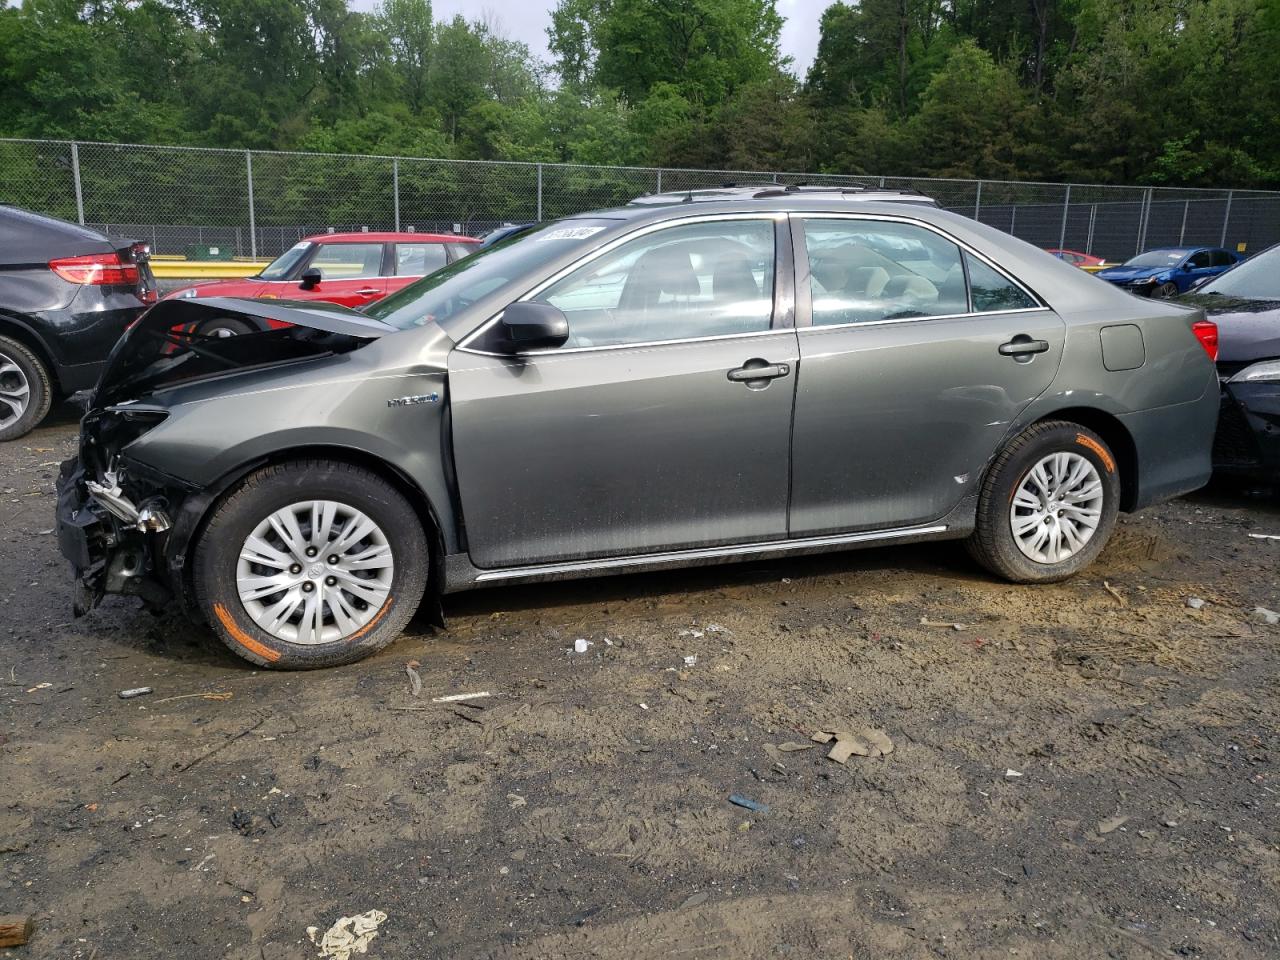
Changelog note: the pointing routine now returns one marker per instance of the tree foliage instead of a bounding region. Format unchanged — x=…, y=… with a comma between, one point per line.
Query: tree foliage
x=1142, y=91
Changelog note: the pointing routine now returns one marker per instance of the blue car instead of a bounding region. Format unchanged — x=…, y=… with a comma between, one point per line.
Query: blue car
x=1169, y=271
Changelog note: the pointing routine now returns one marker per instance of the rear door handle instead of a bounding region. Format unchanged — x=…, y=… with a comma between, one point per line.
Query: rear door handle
x=1023, y=346
x=758, y=370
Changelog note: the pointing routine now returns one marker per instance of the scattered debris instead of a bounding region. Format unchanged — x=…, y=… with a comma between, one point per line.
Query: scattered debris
x=926, y=622
x=40, y=686
x=1112, y=823
x=459, y=697
x=183, y=768
x=716, y=628
x=415, y=681
x=1119, y=598
x=847, y=746
x=1265, y=536
x=697, y=900
x=219, y=697
x=691, y=661
x=868, y=742
x=581, y=646
x=1195, y=603
x=792, y=747
x=1266, y=616
x=15, y=929
x=135, y=692
x=738, y=800
x=517, y=801
x=1011, y=773
x=347, y=936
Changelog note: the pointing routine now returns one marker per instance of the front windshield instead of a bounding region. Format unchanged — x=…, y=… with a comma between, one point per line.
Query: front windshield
x=1254, y=279
x=281, y=265
x=445, y=293
x=1157, y=258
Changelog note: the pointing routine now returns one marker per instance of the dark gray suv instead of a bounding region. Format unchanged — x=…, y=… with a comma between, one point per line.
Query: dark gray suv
x=658, y=385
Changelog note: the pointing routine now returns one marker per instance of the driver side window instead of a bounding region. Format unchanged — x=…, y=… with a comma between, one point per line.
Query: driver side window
x=698, y=280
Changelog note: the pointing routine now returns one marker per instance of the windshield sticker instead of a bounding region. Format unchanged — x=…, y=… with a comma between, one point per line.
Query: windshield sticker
x=570, y=233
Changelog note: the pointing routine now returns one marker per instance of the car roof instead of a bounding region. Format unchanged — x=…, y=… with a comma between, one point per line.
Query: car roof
x=374, y=236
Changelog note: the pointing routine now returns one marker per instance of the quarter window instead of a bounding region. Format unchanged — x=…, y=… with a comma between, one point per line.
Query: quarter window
x=991, y=291
x=863, y=271
x=419, y=259
x=685, y=282
x=348, y=261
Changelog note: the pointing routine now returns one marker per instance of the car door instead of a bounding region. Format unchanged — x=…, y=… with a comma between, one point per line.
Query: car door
x=915, y=356
x=662, y=424
x=411, y=261
x=350, y=274
x=1197, y=267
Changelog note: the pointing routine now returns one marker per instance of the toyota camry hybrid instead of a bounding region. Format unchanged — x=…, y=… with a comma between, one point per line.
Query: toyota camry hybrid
x=770, y=373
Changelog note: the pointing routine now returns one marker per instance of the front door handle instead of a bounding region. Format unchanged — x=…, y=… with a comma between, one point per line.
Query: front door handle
x=757, y=372
x=1022, y=347
x=368, y=292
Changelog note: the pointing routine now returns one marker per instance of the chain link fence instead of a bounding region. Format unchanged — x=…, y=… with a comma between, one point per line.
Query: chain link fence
x=255, y=203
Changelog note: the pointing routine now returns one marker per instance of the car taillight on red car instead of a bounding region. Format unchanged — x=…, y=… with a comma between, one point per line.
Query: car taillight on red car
x=97, y=269
x=1206, y=332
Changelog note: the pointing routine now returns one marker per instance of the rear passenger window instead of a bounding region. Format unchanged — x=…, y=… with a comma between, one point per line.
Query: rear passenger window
x=1222, y=259
x=993, y=291
x=419, y=259
x=862, y=271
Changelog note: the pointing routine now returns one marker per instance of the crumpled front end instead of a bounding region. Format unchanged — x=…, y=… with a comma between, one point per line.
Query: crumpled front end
x=114, y=515
x=121, y=522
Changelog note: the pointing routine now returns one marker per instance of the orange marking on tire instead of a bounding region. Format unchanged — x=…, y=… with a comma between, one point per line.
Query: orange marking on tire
x=372, y=623
x=242, y=638
x=1099, y=449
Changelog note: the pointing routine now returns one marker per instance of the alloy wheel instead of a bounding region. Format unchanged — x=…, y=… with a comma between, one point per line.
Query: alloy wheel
x=1057, y=507
x=15, y=391
x=316, y=571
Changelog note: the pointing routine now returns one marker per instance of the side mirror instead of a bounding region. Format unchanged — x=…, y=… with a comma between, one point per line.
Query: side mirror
x=527, y=325
x=1188, y=267
x=311, y=278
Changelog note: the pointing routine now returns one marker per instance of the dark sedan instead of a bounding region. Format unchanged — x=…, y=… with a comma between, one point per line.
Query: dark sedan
x=1169, y=271
x=66, y=295
x=1245, y=303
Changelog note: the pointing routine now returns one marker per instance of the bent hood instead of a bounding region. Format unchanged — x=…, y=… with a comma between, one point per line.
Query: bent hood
x=160, y=350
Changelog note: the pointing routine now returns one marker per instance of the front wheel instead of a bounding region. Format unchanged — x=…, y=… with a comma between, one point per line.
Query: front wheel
x=311, y=564
x=1166, y=290
x=1048, y=504
x=223, y=327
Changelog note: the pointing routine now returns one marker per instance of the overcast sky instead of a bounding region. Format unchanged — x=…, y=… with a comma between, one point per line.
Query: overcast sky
x=528, y=20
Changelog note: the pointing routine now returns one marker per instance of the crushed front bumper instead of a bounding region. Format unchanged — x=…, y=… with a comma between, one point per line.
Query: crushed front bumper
x=1247, y=441
x=112, y=546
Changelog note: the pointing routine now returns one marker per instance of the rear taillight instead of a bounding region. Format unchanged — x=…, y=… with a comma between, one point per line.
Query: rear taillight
x=98, y=269
x=1206, y=332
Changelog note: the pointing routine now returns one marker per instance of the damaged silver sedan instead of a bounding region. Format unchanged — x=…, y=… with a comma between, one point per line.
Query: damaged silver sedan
x=661, y=385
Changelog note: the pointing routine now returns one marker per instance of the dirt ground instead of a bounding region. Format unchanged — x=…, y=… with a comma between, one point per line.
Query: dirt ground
x=1086, y=770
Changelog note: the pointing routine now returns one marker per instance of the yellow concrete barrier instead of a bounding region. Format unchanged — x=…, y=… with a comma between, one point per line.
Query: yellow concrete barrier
x=167, y=269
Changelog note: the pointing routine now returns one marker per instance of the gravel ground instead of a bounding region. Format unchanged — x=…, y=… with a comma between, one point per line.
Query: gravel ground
x=1083, y=770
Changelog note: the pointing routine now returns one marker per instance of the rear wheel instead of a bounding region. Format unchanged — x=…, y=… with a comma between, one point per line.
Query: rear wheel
x=1048, y=504
x=26, y=390
x=311, y=564
x=223, y=327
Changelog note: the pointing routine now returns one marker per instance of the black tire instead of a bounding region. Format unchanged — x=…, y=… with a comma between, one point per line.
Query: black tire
x=30, y=382
x=993, y=543
x=1165, y=291
x=273, y=488
x=224, y=327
